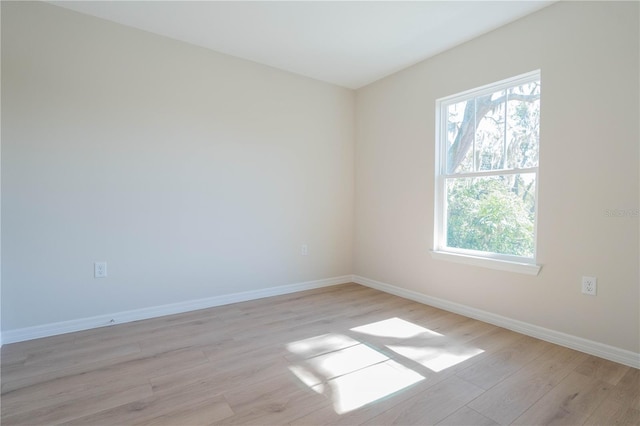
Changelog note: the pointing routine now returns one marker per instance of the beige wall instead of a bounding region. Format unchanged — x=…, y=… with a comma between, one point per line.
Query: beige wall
x=588, y=55
x=193, y=174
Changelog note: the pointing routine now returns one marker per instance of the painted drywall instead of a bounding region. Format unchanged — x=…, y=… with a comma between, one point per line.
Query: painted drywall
x=588, y=54
x=192, y=173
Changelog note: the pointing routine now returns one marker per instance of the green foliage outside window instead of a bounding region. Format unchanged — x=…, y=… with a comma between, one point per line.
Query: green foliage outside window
x=486, y=215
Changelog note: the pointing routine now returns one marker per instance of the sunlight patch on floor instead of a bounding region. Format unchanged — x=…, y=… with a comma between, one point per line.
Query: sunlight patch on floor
x=352, y=373
x=308, y=377
x=436, y=359
x=345, y=361
x=324, y=367
x=394, y=327
x=320, y=344
x=368, y=385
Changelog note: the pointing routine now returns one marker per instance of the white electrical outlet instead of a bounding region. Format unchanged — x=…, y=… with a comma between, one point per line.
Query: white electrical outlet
x=589, y=285
x=304, y=250
x=100, y=269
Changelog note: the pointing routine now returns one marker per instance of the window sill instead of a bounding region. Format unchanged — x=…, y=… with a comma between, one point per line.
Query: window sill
x=502, y=265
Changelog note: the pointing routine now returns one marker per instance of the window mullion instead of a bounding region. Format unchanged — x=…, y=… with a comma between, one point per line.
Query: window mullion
x=504, y=139
x=497, y=172
x=475, y=127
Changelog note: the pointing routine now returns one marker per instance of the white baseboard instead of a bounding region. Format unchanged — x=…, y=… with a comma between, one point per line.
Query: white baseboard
x=591, y=347
x=45, y=330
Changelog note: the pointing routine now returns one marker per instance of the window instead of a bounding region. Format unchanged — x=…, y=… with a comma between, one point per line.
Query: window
x=487, y=174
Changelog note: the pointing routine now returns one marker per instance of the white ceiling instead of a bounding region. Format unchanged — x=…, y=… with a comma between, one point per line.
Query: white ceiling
x=348, y=43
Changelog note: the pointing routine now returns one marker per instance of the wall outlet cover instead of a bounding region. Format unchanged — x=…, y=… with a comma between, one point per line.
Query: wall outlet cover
x=100, y=269
x=589, y=285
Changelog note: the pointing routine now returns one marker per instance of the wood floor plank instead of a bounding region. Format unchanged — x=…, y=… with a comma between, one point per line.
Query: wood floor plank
x=328, y=415
x=371, y=385
x=341, y=355
x=627, y=391
x=318, y=345
x=501, y=364
x=119, y=368
x=208, y=412
x=611, y=412
x=188, y=339
x=570, y=402
x=160, y=333
x=195, y=399
x=223, y=380
x=38, y=397
x=507, y=400
x=134, y=331
x=431, y=405
x=338, y=363
x=602, y=369
x=167, y=382
x=73, y=356
x=80, y=406
x=27, y=380
x=272, y=410
x=277, y=400
x=467, y=416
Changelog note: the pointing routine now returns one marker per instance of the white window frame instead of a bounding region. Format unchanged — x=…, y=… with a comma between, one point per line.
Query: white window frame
x=440, y=250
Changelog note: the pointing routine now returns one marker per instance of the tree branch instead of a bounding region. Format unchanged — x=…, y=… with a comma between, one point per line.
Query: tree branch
x=464, y=138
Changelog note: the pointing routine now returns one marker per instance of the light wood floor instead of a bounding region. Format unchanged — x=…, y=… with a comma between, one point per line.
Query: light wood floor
x=339, y=355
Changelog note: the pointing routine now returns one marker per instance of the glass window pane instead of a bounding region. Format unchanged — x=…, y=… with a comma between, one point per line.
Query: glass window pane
x=492, y=214
x=523, y=124
x=490, y=118
x=460, y=130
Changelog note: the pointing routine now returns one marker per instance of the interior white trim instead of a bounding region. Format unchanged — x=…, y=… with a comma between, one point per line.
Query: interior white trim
x=499, y=264
x=45, y=330
x=591, y=347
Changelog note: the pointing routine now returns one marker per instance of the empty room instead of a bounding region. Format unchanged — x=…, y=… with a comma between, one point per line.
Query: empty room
x=319, y=213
